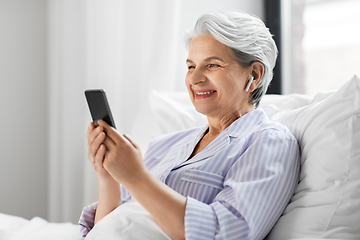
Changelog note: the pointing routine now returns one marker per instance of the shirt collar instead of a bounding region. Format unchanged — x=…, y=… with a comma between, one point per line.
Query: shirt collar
x=246, y=123
x=241, y=125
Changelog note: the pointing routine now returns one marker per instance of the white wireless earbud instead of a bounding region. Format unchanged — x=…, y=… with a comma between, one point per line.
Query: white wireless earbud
x=249, y=84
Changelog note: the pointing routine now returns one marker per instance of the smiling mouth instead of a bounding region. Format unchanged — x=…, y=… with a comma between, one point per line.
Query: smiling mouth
x=204, y=93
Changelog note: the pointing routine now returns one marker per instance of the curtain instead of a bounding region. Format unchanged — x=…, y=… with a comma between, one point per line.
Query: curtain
x=124, y=47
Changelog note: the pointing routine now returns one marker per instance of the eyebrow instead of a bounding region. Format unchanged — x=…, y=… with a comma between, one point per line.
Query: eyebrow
x=207, y=59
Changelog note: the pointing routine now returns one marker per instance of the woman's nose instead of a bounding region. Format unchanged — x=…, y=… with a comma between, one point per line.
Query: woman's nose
x=196, y=77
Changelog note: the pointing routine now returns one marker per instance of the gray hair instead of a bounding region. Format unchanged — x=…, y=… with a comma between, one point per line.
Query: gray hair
x=247, y=37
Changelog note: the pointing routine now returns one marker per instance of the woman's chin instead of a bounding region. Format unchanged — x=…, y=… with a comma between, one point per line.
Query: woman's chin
x=206, y=110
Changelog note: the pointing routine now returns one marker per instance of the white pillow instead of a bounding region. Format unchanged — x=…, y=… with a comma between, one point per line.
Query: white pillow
x=326, y=203
x=167, y=112
x=163, y=113
x=273, y=103
x=173, y=111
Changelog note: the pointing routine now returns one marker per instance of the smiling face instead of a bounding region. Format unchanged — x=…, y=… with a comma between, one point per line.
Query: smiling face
x=215, y=81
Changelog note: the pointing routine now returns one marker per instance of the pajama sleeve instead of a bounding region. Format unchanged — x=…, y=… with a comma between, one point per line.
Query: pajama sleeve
x=86, y=221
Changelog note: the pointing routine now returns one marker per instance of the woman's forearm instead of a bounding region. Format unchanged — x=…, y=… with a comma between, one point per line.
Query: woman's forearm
x=165, y=205
x=109, y=199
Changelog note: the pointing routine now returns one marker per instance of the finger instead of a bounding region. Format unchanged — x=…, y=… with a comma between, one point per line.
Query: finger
x=95, y=145
x=109, y=143
x=93, y=134
x=99, y=157
x=132, y=143
x=90, y=128
x=112, y=133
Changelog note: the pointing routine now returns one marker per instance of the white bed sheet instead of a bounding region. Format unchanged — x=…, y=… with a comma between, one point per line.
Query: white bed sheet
x=16, y=228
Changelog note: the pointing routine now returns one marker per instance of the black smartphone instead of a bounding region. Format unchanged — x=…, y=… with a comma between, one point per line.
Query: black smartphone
x=99, y=106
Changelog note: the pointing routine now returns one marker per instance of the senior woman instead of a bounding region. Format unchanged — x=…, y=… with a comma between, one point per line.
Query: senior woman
x=230, y=179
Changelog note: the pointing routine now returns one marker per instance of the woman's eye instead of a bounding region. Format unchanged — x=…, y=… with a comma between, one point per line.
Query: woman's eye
x=213, y=65
x=191, y=67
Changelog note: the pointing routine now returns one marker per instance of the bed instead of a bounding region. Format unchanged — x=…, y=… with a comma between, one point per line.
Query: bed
x=17, y=228
x=326, y=203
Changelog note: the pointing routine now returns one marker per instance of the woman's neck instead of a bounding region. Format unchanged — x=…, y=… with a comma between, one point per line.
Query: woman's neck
x=217, y=124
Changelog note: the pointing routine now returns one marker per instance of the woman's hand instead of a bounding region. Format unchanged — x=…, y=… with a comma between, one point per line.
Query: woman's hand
x=95, y=136
x=123, y=159
x=109, y=189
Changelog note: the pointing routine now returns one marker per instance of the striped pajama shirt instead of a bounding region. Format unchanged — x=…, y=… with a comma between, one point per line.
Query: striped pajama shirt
x=236, y=188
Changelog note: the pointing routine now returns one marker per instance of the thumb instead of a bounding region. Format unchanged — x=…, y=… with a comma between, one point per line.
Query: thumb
x=132, y=143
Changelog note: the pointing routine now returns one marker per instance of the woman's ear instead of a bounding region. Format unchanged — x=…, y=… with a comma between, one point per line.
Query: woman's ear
x=257, y=72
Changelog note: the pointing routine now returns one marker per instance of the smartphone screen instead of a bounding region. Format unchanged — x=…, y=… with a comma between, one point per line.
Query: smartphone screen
x=99, y=106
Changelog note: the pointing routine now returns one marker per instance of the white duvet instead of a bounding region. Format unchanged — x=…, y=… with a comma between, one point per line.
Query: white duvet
x=129, y=221
x=17, y=228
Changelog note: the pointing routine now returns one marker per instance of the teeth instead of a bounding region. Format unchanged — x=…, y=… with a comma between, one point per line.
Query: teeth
x=203, y=93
